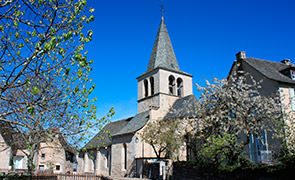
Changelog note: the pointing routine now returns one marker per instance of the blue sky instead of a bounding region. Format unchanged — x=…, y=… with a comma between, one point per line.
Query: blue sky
x=206, y=35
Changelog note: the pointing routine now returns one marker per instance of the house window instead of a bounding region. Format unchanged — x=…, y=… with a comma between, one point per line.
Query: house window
x=18, y=162
x=125, y=155
x=259, y=152
x=292, y=72
x=292, y=98
x=171, y=84
x=109, y=157
x=146, y=86
x=70, y=156
x=179, y=87
x=106, y=158
x=41, y=167
x=75, y=166
x=42, y=155
x=152, y=85
x=57, y=167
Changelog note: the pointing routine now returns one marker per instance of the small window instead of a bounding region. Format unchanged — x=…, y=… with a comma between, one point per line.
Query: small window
x=125, y=155
x=75, y=166
x=292, y=72
x=152, y=85
x=43, y=155
x=57, y=167
x=146, y=90
x=179, y=87
x=171, y=85
x=41, y=167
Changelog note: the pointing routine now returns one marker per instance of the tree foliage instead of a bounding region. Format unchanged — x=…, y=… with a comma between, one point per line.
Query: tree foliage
x=44, y=70
x=228, y=112
x=220, y=148
x=164, y=137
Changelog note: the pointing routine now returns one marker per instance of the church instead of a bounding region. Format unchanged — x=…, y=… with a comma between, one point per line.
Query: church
x=162, y=89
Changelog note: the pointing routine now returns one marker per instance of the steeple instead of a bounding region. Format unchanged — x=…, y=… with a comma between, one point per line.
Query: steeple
x=163, y=82
x=163, y=54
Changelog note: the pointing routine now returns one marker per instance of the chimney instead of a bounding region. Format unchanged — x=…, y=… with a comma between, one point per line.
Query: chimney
x=241, y=55
x=286, y=61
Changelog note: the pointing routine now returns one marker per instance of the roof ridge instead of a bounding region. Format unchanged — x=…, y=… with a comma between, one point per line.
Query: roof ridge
x=269, y=69
x=266, y=60
x=122, y=119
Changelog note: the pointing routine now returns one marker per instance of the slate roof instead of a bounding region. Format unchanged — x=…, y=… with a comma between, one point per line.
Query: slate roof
x=103, y=138
x=17, y=140
x=270, y=69
x=183, y=107
x=136, y=123
x=11, y=137
x=117, y=128
x=163, y=54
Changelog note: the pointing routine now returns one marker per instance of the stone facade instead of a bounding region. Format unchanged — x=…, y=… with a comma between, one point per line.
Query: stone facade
x=5, y=154
x=51, y=156
x=161, y=97
x=275, y=78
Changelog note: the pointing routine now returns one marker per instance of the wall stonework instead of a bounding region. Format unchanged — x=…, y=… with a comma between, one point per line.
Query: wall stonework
x=164, y=82
x=162, y=98
x=5, y=154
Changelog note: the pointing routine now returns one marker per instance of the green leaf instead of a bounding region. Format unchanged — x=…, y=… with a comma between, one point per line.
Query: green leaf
x=90, y=33
x=31, y=110
x=34, y=33
x=15, y=23
x=17, y=13
x=91, y=10
x=16, y=35
x=90, y=19
x=21, y=45
x=35, y=90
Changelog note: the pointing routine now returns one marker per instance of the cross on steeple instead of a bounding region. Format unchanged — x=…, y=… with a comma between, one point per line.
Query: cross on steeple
x=162, y=9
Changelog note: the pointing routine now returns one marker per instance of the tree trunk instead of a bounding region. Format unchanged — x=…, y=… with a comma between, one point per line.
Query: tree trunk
x=30, y=161
x=30, y=164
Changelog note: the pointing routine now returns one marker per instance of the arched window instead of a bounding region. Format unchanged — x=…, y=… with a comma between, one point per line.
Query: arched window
x=152, y=85
x=171, y=85
x=125, y=155
x=146, y=88
x=179, y=87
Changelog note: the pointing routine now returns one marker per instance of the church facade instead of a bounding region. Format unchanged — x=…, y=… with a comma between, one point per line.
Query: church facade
x=162, y=87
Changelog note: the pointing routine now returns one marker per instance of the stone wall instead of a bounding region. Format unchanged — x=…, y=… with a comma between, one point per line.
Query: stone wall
x=193, y=172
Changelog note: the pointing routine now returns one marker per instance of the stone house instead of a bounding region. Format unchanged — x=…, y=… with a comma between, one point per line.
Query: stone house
x=55, y=155
x=162, y=88
x=11, y=145
x=275, y=77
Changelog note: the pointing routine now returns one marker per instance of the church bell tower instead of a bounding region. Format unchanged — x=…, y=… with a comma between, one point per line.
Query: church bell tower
x=163, y=82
